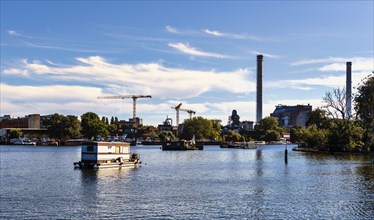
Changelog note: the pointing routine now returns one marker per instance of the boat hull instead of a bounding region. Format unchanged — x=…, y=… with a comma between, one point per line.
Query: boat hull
x=181, y=145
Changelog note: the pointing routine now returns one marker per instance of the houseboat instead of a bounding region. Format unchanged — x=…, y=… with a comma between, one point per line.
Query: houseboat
x=98, y=154
x=183, y=145
x=241, y=145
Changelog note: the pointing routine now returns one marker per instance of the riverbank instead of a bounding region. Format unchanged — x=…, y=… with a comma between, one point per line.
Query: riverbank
x=312, y=150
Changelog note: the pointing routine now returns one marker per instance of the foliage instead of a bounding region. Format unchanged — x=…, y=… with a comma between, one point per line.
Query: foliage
x=15, y=133
x=166, y=135
x=314, y=137
x=233, y=136
x=63, y=127
x=335, y=135
x=271, y=135
x=364, y=106
x=146, y=131
x=201, y=127
x=295, y=135
x=215, y=133
x=92, y=126
x=112, y=129
x=319, y=118
x=268, y=129
x=345, y=135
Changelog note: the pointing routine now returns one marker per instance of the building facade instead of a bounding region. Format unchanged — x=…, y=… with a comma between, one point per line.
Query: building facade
x=289, y=116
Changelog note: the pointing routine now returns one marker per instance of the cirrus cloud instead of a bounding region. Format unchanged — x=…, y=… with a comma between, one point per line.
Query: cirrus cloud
x=187, y=49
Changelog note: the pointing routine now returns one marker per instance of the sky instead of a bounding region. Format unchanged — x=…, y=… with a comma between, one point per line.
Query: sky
x=59, y=56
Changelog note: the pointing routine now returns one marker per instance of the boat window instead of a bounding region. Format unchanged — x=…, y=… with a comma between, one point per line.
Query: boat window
x=109, y=147
x=90, y=148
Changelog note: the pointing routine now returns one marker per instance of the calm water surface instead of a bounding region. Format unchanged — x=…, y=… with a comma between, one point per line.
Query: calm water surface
x=40, y=183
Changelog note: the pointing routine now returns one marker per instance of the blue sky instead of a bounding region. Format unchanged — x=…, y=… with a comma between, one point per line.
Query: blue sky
x=60, y=56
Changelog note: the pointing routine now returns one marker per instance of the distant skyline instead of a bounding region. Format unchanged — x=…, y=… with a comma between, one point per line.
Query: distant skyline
x=58, y=57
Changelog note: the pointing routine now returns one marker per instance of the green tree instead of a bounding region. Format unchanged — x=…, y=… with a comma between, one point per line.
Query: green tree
x=271, y=135
x=313, y=137
x=319, y=118
x=295, y=134
x=198, y=126
x=232, y=136
x=215, y=133
x=269, y=124
x=112, y=129
x=345, y=135
x=72, y=130
x=364, y=106
x=92, y=126
x=63, y=127
x=15, y=133
x=166, y=135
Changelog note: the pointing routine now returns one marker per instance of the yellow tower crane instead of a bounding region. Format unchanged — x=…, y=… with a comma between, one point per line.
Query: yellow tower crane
x=133, y=97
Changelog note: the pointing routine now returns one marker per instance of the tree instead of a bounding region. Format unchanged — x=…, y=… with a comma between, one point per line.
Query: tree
x=215, y=133
x=233, y=136
x=269, y=124
x=63, y=127
x=15, y=133
x=312, y=137
x=92, y=126
x=336, y=104
x=345, y=135
x=295, y=135
x=319, y=118
x=166, y=135
x=198, y=126
x=73, y=127
x=364, y=106
x=271, y=135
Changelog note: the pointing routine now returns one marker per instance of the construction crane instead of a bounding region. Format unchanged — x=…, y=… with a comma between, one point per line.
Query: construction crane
x=178, y=108
x=133, y=97
x=188, y=111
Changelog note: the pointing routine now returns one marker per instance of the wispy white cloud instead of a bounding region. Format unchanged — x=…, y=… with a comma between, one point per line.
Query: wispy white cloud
x=171, y=30
x=67, y=48
x=187, y=49
x=232, y=36
x=266, y=54
x=330, y=60
x=14, y=33
x=214, y=33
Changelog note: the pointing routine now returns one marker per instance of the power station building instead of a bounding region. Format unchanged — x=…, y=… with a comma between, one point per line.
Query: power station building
x=289, y=116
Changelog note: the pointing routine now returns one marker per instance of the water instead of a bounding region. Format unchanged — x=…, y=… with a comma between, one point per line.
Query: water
x=40, y=183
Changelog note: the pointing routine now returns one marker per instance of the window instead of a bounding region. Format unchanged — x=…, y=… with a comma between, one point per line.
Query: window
x=90, y=148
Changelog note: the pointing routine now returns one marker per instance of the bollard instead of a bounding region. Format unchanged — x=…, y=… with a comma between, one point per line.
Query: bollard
x=286, y=156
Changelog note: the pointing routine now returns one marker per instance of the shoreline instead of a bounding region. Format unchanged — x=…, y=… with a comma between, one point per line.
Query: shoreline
x=312, y=150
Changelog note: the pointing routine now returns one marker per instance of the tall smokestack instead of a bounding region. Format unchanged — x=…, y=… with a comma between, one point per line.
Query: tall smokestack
x=348, y=90
x=259, y=88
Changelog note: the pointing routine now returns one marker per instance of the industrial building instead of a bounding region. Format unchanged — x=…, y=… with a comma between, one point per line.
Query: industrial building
x=289, y=116
x=30, y=124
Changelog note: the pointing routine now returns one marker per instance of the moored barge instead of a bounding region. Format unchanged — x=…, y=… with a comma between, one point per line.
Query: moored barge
x=99, y=154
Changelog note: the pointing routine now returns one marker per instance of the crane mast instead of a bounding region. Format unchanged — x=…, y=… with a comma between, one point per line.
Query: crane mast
x=178, y=108
x=133, y=97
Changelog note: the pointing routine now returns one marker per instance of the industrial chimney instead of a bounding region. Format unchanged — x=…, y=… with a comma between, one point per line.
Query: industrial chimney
x=259, y=88
x=348, y=90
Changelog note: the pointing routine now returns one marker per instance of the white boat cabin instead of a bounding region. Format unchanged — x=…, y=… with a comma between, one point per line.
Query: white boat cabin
x=101, y=152
x=106, y=154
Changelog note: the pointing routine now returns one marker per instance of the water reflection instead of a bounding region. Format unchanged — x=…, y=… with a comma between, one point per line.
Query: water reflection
x=210, y=184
